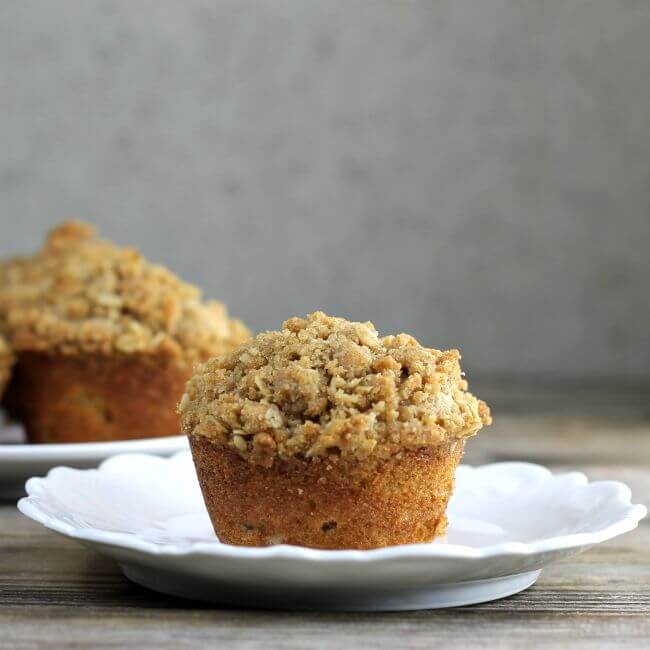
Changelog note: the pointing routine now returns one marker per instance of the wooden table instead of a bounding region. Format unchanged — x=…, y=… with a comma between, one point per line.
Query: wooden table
x=56, y=593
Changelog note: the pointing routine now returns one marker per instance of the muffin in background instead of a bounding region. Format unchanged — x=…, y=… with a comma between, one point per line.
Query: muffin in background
x=104, y=340
x=6, y=362
x=325, y=435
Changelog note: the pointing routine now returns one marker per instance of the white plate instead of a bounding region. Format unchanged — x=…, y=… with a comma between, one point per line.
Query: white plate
x=19, y=460
x=507, y=521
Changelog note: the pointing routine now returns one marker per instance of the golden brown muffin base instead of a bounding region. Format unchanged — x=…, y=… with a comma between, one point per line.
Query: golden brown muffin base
x=94, y=398
x=343, y=505
x=5, y=370
x=6, y=362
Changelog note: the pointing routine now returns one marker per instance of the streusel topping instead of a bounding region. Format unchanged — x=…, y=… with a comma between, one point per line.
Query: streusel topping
x=81, y=294
x=6, y=361
x=325, y=386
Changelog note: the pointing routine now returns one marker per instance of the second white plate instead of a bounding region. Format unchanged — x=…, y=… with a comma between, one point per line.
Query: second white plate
x=20, y=460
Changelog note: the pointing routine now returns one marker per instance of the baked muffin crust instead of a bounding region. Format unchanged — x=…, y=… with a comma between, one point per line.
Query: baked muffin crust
x=6, y=362
x=83, y=295
x=327, y=387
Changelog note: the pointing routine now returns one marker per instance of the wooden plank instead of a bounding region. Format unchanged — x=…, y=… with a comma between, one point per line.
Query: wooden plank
x=562, y=440
x=463, y=628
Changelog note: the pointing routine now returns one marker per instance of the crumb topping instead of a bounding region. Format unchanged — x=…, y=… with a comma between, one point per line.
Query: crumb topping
x=6, y=361
x=81, y=294
x=326, y=387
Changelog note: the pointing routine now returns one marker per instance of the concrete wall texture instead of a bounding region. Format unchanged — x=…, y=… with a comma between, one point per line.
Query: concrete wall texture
x=475, y=173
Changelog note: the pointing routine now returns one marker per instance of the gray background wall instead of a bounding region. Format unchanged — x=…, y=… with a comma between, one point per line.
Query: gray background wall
x=477, y=173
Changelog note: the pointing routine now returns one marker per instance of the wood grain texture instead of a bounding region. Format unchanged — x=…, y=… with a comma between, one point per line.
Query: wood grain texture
x=56, y=593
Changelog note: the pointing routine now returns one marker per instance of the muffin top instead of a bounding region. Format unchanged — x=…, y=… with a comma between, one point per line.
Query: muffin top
x=327, y=387
x=6, y=361
x=81, y=294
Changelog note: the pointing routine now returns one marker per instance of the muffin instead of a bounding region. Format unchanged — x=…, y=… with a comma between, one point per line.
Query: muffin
x=6, y=361
x=104, y=340
x=325, y=435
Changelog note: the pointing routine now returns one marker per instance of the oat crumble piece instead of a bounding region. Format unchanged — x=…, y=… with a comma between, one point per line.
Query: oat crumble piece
x=82, y=294
x=324, y=387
